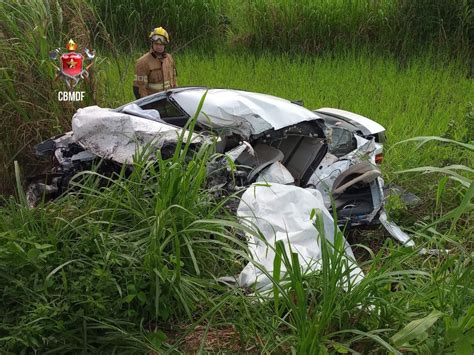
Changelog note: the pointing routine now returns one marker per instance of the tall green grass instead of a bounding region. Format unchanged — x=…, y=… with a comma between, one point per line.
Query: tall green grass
x=313, y=25
x=400, y=27
x=128, y=23
x=30, y=109
x=116, y=262
x=131, y=265
x=456, y=180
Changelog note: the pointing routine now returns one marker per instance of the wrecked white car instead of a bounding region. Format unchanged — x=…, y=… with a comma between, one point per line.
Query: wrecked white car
x=270, y=139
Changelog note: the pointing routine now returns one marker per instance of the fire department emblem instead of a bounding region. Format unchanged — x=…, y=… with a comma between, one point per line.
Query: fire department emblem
x=71, y=64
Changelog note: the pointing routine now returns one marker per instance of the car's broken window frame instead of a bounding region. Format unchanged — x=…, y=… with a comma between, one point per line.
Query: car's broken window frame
x=171, y=120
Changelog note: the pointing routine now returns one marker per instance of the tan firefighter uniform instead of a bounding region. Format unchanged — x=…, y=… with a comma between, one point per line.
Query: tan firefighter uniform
x=154, y=73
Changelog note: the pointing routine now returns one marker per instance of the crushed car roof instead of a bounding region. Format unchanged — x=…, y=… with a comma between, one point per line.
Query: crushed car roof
x=244, y=112
x=241, y=112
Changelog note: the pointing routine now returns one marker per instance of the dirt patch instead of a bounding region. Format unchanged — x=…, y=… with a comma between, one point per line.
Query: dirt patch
x=214, y=339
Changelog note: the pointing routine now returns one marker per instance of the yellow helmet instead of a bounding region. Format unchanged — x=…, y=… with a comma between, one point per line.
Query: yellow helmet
x=159, y=34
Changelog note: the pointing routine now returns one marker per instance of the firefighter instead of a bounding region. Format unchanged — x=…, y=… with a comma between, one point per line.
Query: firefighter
x=155, y=71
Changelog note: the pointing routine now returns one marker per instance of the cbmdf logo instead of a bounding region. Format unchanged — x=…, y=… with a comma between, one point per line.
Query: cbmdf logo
x=72, y=69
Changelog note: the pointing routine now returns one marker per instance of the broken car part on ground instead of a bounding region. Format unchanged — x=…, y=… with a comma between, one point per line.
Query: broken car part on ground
x=324, y=158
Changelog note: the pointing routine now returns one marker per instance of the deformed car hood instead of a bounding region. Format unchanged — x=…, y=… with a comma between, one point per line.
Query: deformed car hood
x=240, y=112
x=117, y=136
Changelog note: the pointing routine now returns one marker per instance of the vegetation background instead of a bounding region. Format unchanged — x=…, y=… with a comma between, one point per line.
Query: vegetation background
x=116, y=270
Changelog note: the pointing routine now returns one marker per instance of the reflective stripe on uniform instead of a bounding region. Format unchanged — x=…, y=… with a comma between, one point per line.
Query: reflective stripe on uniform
x=160, y=86
x=141, y=78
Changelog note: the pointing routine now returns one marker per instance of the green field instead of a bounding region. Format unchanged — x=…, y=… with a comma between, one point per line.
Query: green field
x=132, y=268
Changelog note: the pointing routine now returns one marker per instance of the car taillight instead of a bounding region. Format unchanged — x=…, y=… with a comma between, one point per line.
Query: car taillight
x=379, y=158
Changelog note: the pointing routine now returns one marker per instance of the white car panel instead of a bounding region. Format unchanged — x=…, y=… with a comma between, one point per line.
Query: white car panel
x=241, y=112
x=371, y=125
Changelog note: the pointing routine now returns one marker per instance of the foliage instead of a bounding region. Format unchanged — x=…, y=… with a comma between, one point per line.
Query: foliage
x=30, y=108
x=128, y=22
x=129, y=264
x=399, y=27
x=105, y=260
